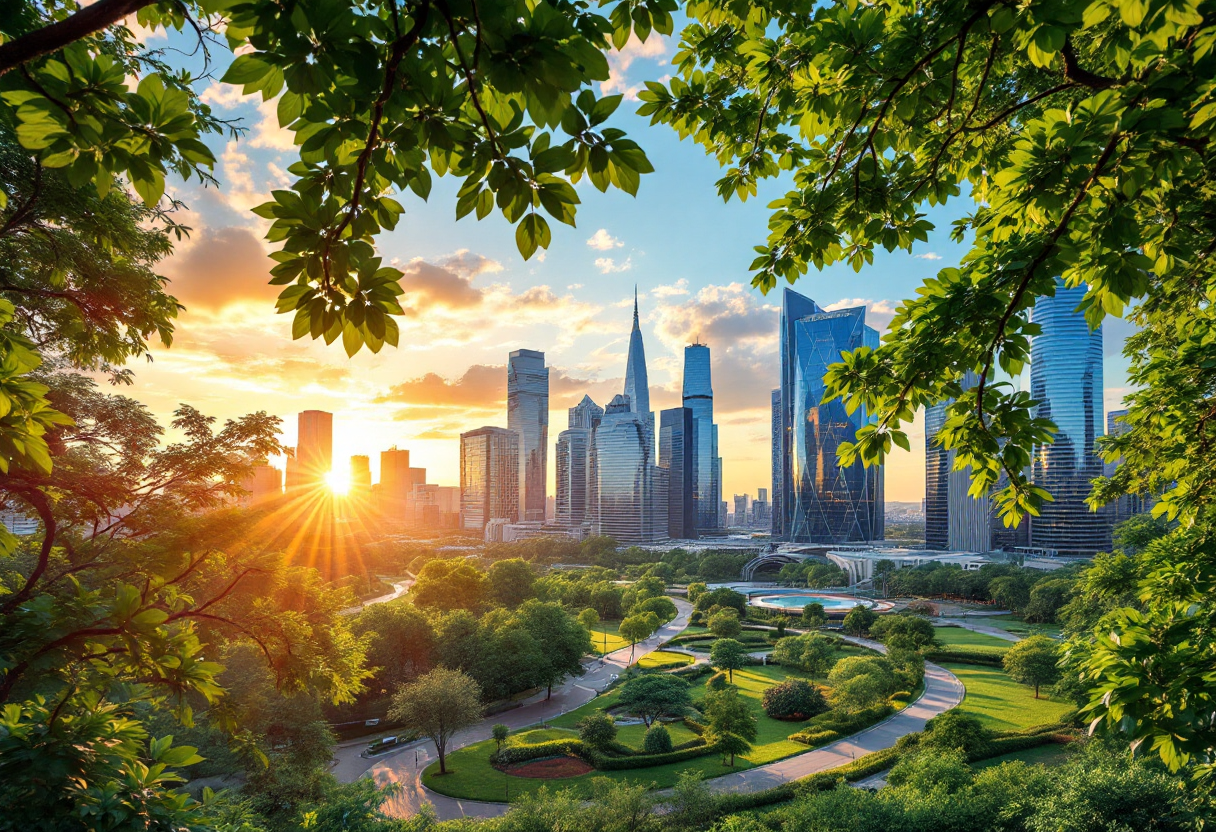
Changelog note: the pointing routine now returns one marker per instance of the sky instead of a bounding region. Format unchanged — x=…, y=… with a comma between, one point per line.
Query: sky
x=471, y=299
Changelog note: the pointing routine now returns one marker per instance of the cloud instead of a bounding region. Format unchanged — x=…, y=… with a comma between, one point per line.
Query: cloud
x=468, y=264
x=267, y=133
x=730, y=314
x=574, y=286
x=928, y=255
x=680, y=287
x=619, y=61
x=428, y=285
x=479, y=386
x=223, y=266
x=607, y=265
x=603, y=241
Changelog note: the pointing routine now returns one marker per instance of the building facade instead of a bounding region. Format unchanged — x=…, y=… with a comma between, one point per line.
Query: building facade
x=822, y=501
x=572, y=474
x=637, y=382
x=360, y=475
x=777, y=461
x=314, y=454
x=528, y=415
x=1066, y=381
x=698, y=396
x=954, y=520
x=1129, y=505
x=265, y=482
x=489, y=477
x=628, y=508
x=676, y=456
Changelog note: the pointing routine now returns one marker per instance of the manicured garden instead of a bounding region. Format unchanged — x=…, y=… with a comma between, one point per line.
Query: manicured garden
x=1001, y=703
x=956, y=638
x=663, y=658
x=606, y=638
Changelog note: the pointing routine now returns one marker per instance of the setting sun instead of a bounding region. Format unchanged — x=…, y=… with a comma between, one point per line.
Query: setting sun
x=338, y=482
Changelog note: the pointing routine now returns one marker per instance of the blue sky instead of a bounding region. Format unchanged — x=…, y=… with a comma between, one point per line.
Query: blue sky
x=471, y=299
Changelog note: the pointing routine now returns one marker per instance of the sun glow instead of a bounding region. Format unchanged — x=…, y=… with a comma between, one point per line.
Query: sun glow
x=338, y=482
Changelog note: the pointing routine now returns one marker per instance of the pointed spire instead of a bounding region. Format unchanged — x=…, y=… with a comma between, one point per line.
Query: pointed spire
x=635, y=306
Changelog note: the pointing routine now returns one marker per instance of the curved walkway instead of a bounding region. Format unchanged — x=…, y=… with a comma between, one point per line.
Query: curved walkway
x=405, y=767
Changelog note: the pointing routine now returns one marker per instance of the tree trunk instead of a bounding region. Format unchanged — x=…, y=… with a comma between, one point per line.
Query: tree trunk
x=549, y=695
x=1036, y=690
x=443, y=767
x=56, y=36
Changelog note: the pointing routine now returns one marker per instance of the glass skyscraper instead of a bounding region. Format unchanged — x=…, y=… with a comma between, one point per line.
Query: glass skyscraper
x=1066, y=381
x=777, y=458
x=637, y=384
x=528, y=415
x=489, y=477
x=314, y=454
x=706, y=469
x=574, y=469
x=677, y=458
x=954, y=519
x=627, y=508
x=822, y=502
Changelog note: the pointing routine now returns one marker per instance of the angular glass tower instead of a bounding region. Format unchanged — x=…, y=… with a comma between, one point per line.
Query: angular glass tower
x=489, y=477
x=706, y=470
x=575, y=446
x=1066, y=381
x=954, y=519
x=528, y=415
x=821, y=501
x=637, y=384
x=676, y=457
x=625, y=473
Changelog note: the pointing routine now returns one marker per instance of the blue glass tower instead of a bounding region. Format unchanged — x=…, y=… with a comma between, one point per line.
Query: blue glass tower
x=628, y=510
x=1066, y=382
x=676, y=456
x=706, y=468
x=822, y=502
x=528, y=415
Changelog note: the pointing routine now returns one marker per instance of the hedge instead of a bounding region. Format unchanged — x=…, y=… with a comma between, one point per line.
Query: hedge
x=999, y=746
x=844, y=723
x=820, y=781
x=604, y=763
x=815, y=738
x=512, y=754
x=987, y=658
x=693, y=671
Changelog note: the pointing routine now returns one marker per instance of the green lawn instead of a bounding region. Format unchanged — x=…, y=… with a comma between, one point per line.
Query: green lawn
x=663, y=657
x=1052, y=754
x=1001, y=703
x=606, y=633
x=1016, y=625
x=471, y=776
x=957, y=637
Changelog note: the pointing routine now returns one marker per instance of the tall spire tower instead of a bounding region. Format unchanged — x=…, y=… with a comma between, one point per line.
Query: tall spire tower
x=637, y=385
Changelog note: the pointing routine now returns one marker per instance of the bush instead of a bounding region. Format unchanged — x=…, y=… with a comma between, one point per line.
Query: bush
x=845, y=723
x=660, y=606
x=597, y=730
x=815, y=738
x=718, y=681
x=512, y=754
x=902, y=694
x=955, y=730
x=657, y=740
x=794, y=699
x=648, y=760
x=693, y=671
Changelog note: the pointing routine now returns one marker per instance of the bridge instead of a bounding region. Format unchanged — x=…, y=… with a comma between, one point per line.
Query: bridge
x=774, y=561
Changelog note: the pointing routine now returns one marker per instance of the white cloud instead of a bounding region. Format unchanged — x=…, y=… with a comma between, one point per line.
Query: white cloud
x=574, y=286
x=878, y=312
x=680, y=287
x=619, y=62
x=603, y=241
x=267, y=133
x=928, y=255
x=607, y=265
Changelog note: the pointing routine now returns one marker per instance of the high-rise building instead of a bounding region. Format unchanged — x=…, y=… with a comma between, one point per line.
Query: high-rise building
x=395, y=484
x=314, y=450
x=637, y=383
x=698, y=395
x=360, y=475
x=1066, y=381
x=489, y=477
x=1129, y=505
x=626, y=472
x=777, y=460
x=741, y=502
x=571, y=463
x=937, y=480
x=822, y=501
x=676, y=455
x=528, y=415
x=264, y=482
x=760, y=509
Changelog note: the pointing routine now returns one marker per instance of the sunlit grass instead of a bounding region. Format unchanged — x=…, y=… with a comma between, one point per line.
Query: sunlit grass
x=1001, y=703
x=659, y=657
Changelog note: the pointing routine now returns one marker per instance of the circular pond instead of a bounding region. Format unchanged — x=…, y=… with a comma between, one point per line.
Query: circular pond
x=794, y=602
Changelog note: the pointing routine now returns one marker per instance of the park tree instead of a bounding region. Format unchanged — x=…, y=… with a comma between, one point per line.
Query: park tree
x=1075, y=141
x=597, y=730
x=883, y=570
x=1032, y=661
x=859, y=619
x=589, y=618
x=729, y=655
x=813, y=615
x=793, y=699
x=858, y=682
x=657, y=740
x=510, y=582
x=652, y=695
x=453, y=584
x=722, y=597
x=725, y=623
x=637, y=628
x=563, y=641
x=437, y=705
x=955, y=730
x=910, y=631
x=812, y=653
x=400, y=642
x=695, y=590
x=732, y=726
x=1046, y=599
x=499, y=734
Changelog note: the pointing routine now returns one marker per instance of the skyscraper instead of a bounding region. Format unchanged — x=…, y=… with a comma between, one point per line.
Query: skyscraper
x=627, y=505
x=395, y=483
x=314, y=450
x=489, y=477
x=777, y=460
x=360, y=475
x=585, y=417
x=741, y=502
x=822, y=502
x=264, y=482
x=954, y=519
x=1066, y=381
x=698, y=397
x=676, y=455
x=528, y=415
x=1129, y=505
x=637, y=384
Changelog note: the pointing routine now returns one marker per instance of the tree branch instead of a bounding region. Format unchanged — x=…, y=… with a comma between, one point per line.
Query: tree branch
x=1073, y=71
x=90, y=19
x=38, y=500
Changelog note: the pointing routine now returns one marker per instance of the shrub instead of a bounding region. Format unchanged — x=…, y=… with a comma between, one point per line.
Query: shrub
x=649, y=760
x=660, y=606
x=693, y=671
x=794, y=699
x=657, y=740
x=597, y=730
x=512, y=754
x=902, y=694
x=718, y=681
x=725, y=623
x=815, y=738
x=955, y=730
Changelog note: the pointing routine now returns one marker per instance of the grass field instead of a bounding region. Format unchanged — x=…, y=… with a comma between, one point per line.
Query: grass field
x=1052, y=754
x=663, y=657
x=471, y=776
x=957, y=637
x=1001, y=703
x=606, y=633
x=1015, y=625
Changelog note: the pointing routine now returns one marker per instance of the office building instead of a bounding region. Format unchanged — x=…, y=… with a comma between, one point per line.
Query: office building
x=360, y=475
x=676, y=455
x=954, y=520
x=314, y=450
x=741, y=513
x=571, y=461
x=637, y=383
x=626, y=473
x=1066, y=381
x=777, y=460
x=822, y=501
x=265, y=482
x=698, y=396
x=489, y=477
x=528, y=415
x=1129, y=505
x=395, y=484
x=760, y=509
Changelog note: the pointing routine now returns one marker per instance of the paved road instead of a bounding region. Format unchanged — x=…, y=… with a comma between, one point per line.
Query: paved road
x=404, y=767
x=399, y=589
